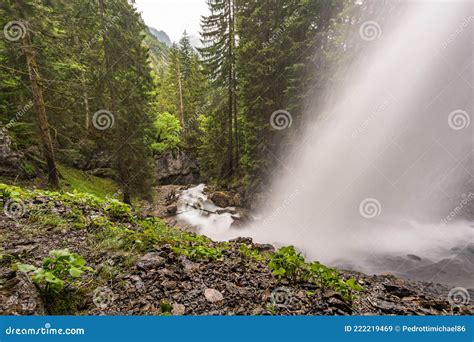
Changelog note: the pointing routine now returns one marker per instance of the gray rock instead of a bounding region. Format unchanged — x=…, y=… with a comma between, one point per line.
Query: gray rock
x=266, y=247
x=178, y=310
x=189, y=266
x=176, y=167
x=169, y=284
x=20, y=296
x=221, y=199
x=150, y=261
x=213, y=296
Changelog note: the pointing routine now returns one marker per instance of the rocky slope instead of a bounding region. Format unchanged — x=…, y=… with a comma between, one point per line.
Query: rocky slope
x=144, y=267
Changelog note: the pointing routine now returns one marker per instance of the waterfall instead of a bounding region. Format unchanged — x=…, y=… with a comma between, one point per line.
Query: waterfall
x=381, y=178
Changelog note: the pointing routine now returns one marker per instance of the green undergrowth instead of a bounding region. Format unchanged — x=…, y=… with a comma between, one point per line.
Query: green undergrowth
x=72, y=180
x=80, y=181
x=117, y=228
x=59, y=279
x=115, y=225
x=288, y=264
x=149, y=234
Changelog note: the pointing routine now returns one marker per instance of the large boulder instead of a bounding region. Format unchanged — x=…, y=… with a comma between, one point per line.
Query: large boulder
x=176, y=167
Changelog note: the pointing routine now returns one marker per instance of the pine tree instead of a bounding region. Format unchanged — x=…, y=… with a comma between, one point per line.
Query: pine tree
x=130, y=76
x=28, y=24
x=186, y=52
x=219, y=40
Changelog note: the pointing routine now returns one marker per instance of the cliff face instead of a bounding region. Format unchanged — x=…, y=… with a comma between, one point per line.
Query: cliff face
x=10, y=160
x=176, y=167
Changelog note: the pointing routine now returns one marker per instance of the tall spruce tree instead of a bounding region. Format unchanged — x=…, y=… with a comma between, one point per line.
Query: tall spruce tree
x=219, y=40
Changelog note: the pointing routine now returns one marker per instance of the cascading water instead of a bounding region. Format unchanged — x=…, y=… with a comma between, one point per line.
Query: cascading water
x=386, y=171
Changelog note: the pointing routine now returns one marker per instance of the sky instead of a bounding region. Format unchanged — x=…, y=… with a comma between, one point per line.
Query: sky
x=173, y=16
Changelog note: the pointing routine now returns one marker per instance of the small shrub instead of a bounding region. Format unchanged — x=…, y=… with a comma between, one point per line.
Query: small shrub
x=118, y=209
x=289, y=264
x=199, y=252
x=61, y=268
x=251, y=253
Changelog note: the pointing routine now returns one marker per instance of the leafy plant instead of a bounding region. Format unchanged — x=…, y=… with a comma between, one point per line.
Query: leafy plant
x=199, y=252
x=118, y=209
x=166, y=307
x=289, y=264
x=59, y=269
x=251, y=253
x=167, y=132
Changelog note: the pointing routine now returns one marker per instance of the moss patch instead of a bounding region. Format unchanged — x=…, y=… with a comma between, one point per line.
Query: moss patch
x=80, y=181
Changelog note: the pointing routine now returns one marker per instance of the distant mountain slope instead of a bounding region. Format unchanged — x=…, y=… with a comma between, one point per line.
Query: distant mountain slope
x=158, y=51
x=161, y=36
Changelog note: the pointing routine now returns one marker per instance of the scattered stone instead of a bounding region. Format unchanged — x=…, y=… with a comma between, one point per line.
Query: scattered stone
x=151, y=261
x=266, y=247
x=213, y=296
x=169, y=284
x=19, y=296
x=245, y=240
x=21, y=250
x=229, y=210
x=189, y=266
x=398, y=290
x=172, y=209
x=178, y=310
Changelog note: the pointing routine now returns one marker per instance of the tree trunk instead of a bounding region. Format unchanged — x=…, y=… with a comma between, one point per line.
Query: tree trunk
x=38, y=100
x=87, y=123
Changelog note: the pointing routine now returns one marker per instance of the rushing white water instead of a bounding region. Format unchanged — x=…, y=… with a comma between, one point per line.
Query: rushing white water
x=378, y=170
x=196, y=209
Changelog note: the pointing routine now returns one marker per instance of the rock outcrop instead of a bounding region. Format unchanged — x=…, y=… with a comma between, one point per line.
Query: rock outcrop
x=10, y=160
x=176, y=167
